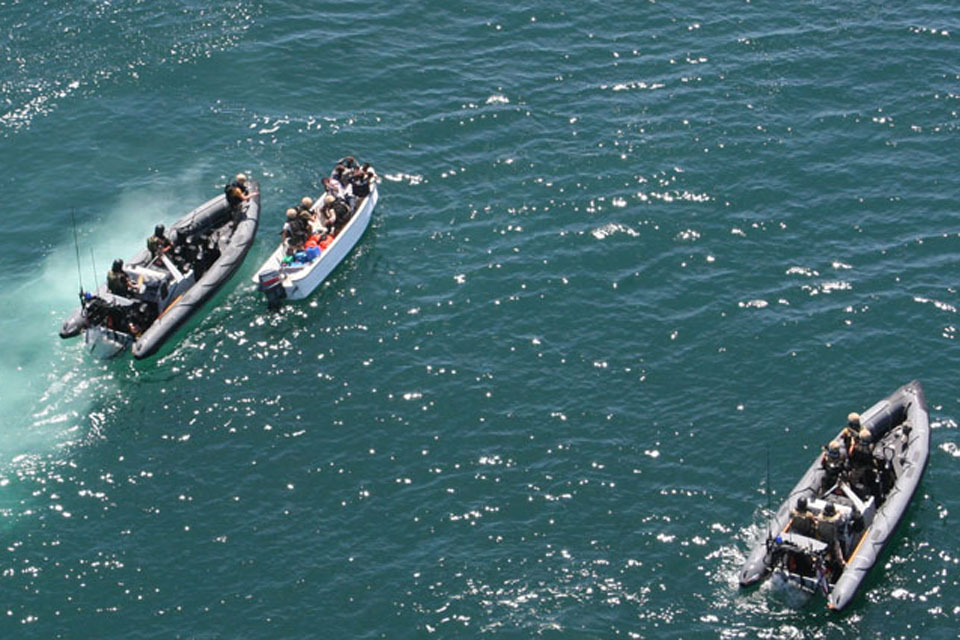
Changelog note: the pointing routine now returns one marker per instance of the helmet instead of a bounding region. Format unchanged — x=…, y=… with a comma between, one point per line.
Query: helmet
x=829, y=510
x=328, y=199
x=158, y=230
x=866, y=435
x=291, y=214
x=306, y=202
x=117, y=264
x=801, y=504
x=241, y=178
x=853, y=419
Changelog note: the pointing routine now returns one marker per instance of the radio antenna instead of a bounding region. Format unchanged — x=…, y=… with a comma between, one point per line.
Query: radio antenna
x=76, y=246
x=94, y=263
x=768, y=478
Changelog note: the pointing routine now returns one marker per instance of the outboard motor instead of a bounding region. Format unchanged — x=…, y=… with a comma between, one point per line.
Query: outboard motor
x=271, y=283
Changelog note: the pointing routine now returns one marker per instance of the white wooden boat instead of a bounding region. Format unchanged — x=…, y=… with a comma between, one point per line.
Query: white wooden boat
x=297, y=280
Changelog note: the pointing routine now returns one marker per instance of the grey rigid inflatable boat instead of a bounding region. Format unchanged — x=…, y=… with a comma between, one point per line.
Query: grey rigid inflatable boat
x=864, y=519
x=209, y=245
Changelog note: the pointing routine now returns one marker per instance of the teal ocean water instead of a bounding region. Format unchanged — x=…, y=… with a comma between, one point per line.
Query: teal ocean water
x=625, y=253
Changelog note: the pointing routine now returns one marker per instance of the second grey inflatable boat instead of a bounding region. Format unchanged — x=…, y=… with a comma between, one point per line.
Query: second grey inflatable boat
x=839, y=518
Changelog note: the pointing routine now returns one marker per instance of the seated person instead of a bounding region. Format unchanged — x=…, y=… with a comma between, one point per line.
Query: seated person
x=294, y=232
x=828, y=531
x=334, y=188
x=341, y=211
x=158, y=243
x=335, y=213
x=360, y=183
x=305, y=210
x=341, y=174
x=118, y=283
x=802, y=521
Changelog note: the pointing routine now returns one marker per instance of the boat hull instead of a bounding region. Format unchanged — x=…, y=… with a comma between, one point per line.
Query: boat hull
x=188, y=301
x=907, y=404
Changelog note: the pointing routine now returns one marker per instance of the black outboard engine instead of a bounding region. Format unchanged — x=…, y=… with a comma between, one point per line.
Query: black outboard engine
x=271, y=283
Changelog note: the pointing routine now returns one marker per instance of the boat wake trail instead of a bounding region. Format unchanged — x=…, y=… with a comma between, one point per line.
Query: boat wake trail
x=50, y=385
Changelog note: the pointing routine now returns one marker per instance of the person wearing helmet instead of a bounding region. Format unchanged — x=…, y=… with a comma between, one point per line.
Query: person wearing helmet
x=833, y=462
x=158, y=243
x=328, y=215
x=849, y=433
x=118, y=283
x=863, y=466
x=294, y=232
x=237, y=193
x=828, y=529
x=801, y=520
x=305, y=211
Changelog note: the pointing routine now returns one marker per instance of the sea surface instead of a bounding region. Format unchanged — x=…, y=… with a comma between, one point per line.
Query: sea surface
x=633, y=263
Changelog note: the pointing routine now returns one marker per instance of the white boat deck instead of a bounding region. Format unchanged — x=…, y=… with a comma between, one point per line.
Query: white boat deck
x=300, y=280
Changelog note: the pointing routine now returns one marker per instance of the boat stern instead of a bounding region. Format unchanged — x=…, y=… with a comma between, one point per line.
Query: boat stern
x=270, y=282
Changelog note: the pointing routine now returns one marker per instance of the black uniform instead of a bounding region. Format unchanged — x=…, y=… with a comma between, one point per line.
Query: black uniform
x=361, y=186
x=342, y=212
x=863, y=475
x=801, y=523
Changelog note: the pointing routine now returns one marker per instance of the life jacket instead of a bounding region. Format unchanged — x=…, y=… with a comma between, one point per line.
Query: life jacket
x=117, y=283
x=297, y=227
x=861, y=454
x=341, y=209
x=827, y=529
x=801, y=523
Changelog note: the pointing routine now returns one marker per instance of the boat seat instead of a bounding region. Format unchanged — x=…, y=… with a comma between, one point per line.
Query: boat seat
x=809, y=545
x=817, y=505
x=148, y=273
x=116, y=300
x=172, y=268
